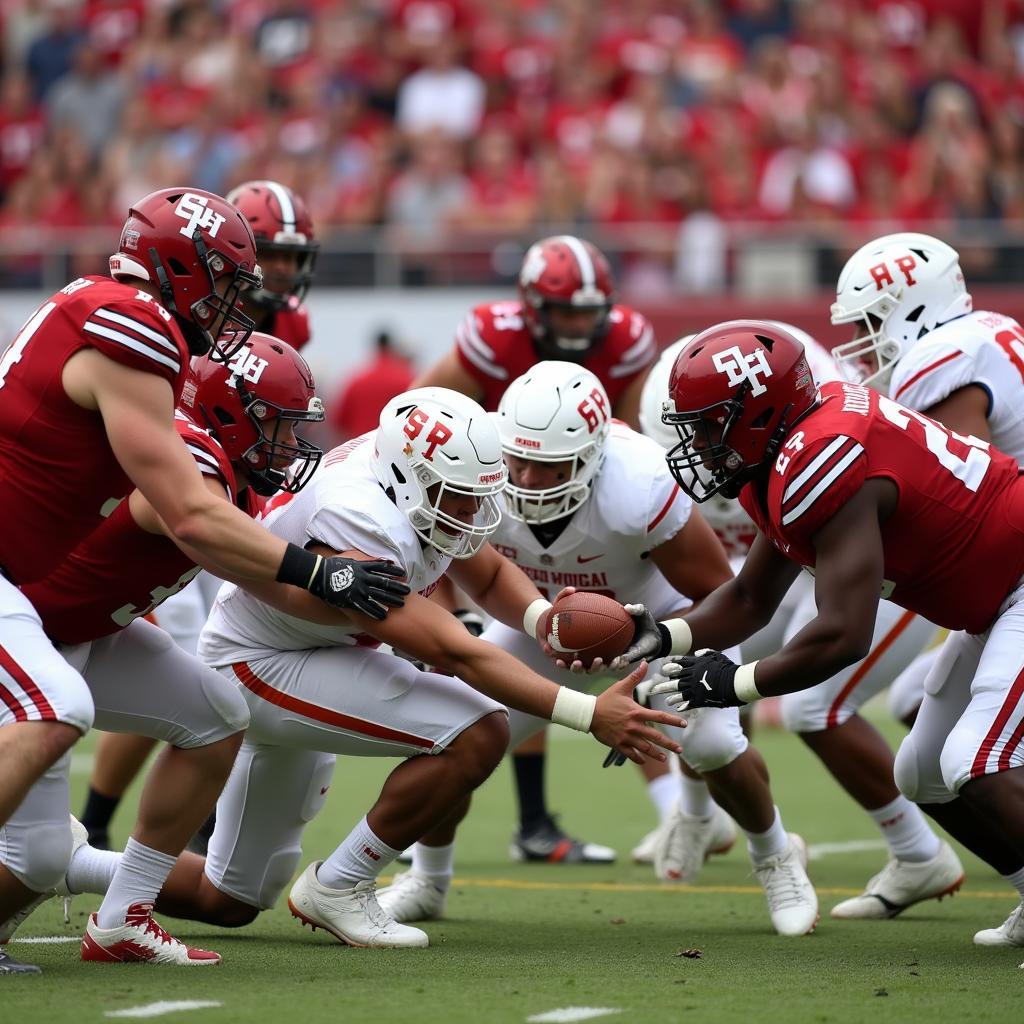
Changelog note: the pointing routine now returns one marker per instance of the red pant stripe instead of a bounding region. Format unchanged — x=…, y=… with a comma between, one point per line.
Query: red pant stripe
x=251, y=681
x=34, y=694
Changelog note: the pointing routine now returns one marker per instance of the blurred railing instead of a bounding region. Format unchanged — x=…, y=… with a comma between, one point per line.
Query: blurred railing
x=702, y=255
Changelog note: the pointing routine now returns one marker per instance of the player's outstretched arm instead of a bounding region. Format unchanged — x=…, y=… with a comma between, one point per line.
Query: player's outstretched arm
x=496, y=584
x=849, y=569
x=728, y=615
x=138, y=415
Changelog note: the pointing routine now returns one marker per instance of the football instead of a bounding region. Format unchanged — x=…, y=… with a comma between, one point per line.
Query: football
x=588, y=626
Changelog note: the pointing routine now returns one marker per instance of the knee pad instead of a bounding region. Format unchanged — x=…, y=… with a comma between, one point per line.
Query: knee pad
x=280, y=869
x=74, y=704
x=957, y=758
x=220, y=713
x=712, y=739
x=37, y=853
x=919, y=782
x=804, y=711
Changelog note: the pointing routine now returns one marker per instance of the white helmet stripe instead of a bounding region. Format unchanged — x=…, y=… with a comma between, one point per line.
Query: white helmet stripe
x=586, y=265
x=285, y=201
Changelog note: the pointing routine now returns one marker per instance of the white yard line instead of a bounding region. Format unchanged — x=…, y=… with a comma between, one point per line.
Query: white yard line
x=571, y=1013
x=48, y=940
x=81, y=764
x=818, y=850
x=159, y=1009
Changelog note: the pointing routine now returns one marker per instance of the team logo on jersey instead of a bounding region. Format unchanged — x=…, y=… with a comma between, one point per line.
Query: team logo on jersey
x=195, y=210
x=741, y=367
x=247, y=366
x=341, y=579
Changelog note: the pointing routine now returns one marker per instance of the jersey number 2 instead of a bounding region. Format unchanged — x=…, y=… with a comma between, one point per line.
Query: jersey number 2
x=970, y=471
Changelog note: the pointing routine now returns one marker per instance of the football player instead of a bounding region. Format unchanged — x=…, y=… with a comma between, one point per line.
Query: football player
x=591, y=504
x=917, y=335
x=423, y=490
x=286, y=248
x=241, y=434
x=565, y=310
x=875, y=499
x=826, y=717
x=87, y=395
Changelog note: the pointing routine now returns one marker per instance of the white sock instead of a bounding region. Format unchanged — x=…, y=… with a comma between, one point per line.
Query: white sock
x=360, y=856
x=92, y=870
x=905, y=829
x=696, y=799
x=762, y=845
x=1017, y=881
x=664, y=793
x=436, y=862
x=140, y=875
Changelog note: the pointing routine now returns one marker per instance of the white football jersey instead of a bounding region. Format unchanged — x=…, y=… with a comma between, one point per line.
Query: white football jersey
x=634, y=506
x=986, y=349
x=345, y=508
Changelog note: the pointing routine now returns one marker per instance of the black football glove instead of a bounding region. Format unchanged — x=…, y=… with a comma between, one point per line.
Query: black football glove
x=701, y=680
x=368, y=587
x=651, y=640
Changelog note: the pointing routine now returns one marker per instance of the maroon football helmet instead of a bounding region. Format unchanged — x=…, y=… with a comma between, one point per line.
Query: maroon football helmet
x=735, y=391
x=569, y=273
x=185, y=241
x=281, y=223
x=266, y=385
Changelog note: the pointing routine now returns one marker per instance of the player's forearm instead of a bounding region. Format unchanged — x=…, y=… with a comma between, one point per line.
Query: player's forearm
x=508, y=595
x=501, y=677
x=226, y=541
x=726, y=617
x=820, y=650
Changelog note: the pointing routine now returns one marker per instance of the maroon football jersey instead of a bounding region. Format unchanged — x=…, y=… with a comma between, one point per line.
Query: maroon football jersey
x=290, y=325
x=120, y=572
x=954, y=545
x=495, y=346
x=58, y=474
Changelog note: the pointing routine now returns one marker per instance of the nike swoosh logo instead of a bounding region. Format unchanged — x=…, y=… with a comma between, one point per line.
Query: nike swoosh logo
x=583, y=561
x=704, y=680
x=323, y=789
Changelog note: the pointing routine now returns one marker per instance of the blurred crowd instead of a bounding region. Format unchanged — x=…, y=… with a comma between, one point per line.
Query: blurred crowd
x=494, y=118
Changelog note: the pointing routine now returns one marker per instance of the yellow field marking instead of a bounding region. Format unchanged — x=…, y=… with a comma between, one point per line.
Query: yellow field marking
x=676, y=890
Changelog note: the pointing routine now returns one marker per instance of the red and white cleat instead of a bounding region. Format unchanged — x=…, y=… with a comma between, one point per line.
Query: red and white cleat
x=140, y=940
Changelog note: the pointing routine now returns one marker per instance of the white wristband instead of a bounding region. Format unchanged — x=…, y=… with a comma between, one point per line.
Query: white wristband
x=682, y=638
x=532, y=615
x=572, y=709
x=743, y=683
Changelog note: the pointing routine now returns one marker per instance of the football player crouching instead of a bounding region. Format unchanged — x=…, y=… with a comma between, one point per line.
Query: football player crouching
x=826, y=717
x=874, y=498
x=591, y=504
x=423, y=491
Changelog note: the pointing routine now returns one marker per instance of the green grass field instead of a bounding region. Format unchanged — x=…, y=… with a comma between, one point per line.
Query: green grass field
x=523, y=940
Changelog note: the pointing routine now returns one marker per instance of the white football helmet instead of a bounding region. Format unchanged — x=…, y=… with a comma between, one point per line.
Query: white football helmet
x=899, y=287
x=555, y=412
x=718, y=510
x=433, y=442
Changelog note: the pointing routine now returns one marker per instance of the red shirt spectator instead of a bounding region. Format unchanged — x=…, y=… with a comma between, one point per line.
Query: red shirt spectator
x=356, y=408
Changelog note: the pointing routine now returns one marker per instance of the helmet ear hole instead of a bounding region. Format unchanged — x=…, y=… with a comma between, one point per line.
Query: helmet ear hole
x=765, y=340
x=177, y=267
x=763, y=419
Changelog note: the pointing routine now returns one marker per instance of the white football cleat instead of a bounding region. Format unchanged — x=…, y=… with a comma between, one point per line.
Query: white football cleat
x=352, y=916
x=79, y=837
x=1009, y=933
x=792, y=901
x=140, y=940
x=723, y=838
x=901, y=884
x=413, y=897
